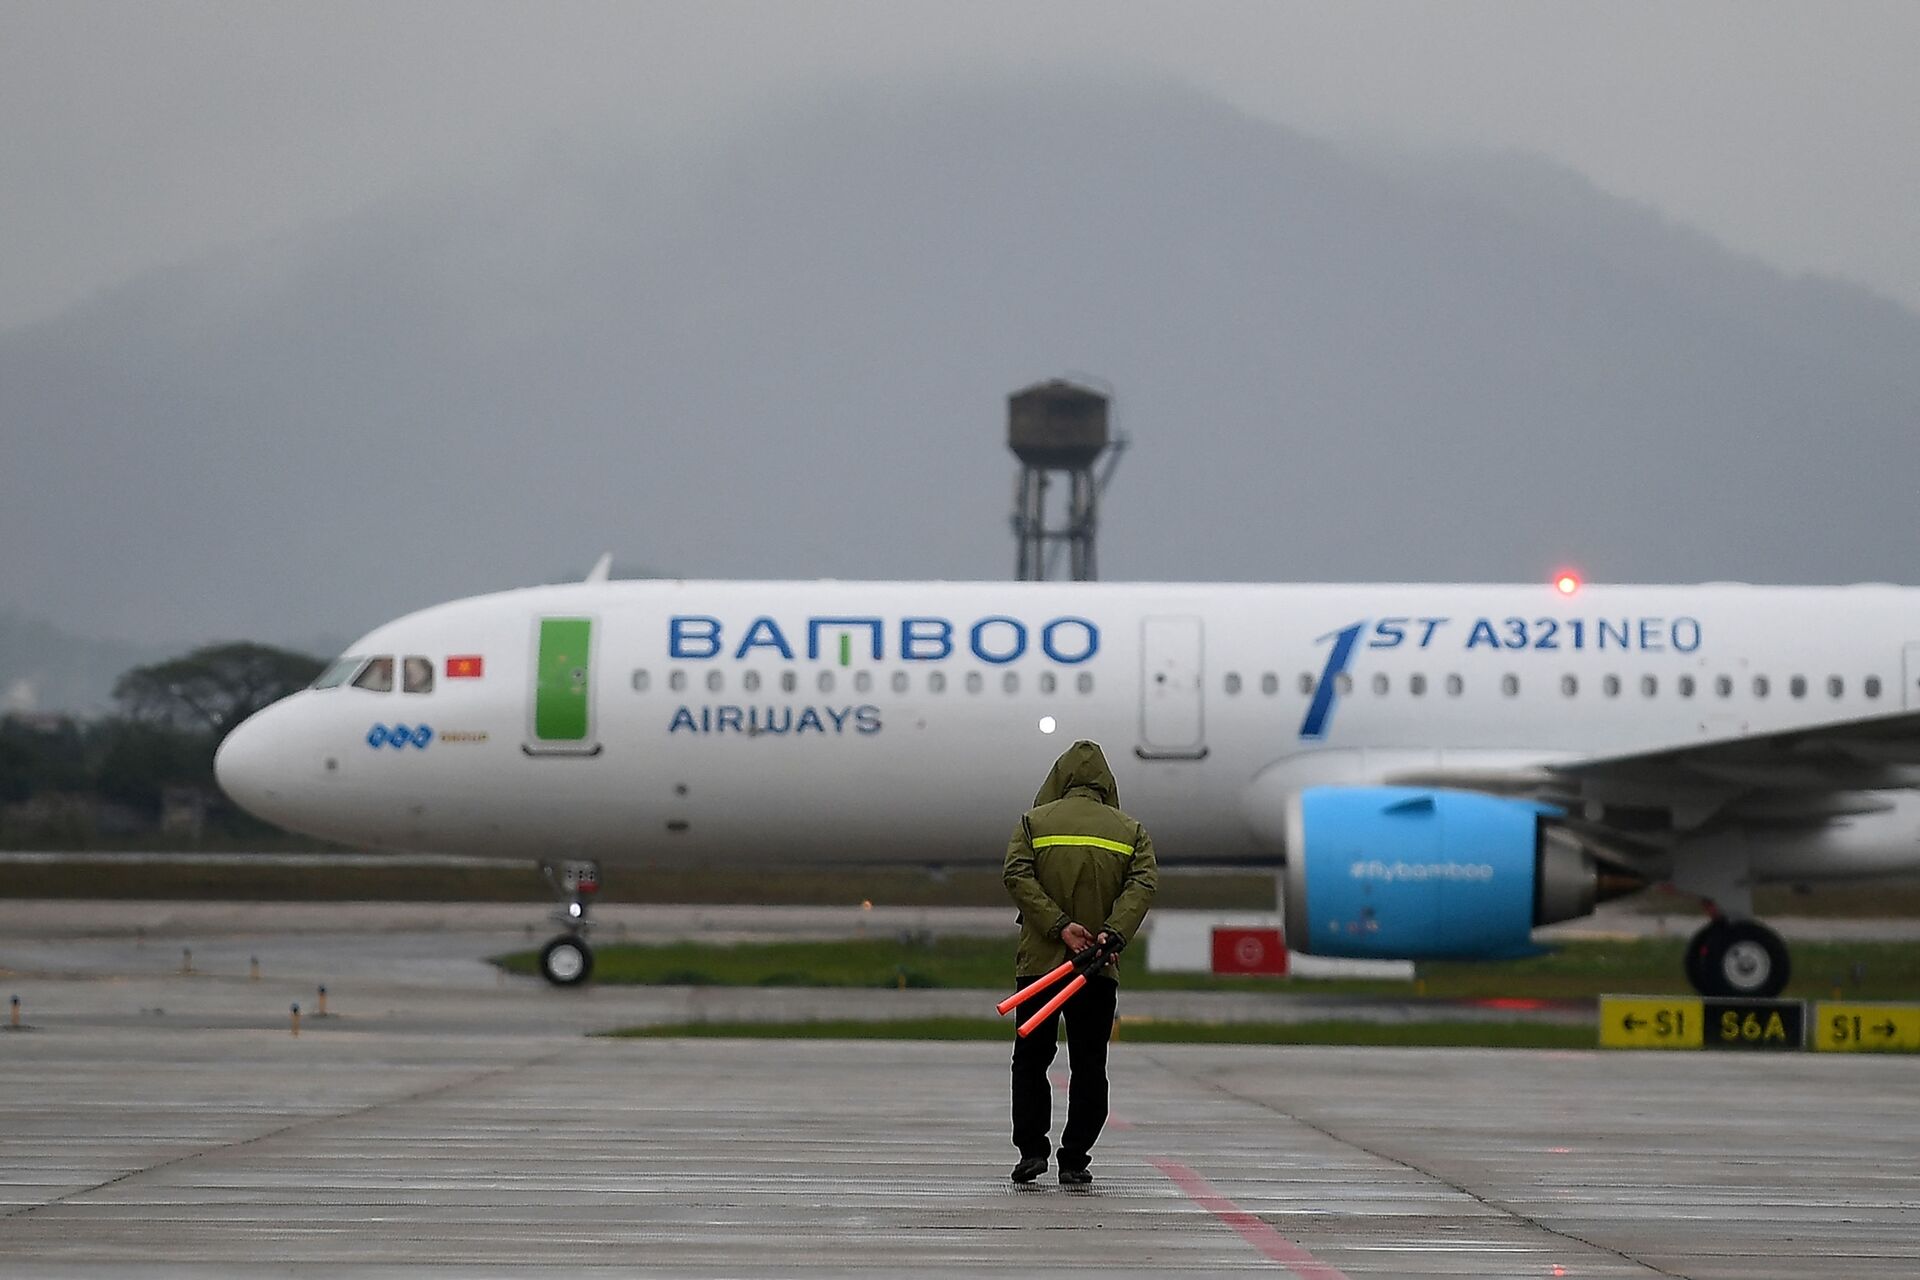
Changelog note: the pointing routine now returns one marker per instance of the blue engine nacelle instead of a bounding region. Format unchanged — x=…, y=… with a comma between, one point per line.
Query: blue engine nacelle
x=1411, y=873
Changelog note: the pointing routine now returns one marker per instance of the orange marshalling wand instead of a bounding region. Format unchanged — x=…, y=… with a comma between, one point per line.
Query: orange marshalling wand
x=1046, y=1010
x=1080, y=964
x=1012, y=1002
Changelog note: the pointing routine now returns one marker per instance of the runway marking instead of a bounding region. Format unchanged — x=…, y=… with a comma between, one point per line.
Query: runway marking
x=1213, y=1083
x=1251, y=1227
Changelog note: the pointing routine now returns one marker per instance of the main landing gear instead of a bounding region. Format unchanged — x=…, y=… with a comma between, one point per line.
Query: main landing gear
x=1741, y=958
x=567, y=961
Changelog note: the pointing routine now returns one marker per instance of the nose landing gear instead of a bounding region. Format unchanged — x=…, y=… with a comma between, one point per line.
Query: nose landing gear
x=567, y=961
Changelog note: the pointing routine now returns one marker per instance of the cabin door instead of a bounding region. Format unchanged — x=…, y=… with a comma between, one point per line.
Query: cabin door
x=1172, y=718
x=560, y=718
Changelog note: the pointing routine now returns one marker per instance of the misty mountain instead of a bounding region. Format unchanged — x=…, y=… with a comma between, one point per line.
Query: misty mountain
x=787, y=354
x=43, y=668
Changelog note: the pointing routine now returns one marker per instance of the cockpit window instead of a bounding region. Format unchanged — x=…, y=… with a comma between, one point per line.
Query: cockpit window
x=377, y=678
x=416, y=674
x=336, y=675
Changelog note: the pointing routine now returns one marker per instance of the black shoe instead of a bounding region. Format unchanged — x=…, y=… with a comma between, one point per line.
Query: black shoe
x=1029, y=1169
x=1075, y=1177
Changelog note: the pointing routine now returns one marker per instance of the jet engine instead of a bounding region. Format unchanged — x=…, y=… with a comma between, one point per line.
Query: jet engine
x=1418, y=874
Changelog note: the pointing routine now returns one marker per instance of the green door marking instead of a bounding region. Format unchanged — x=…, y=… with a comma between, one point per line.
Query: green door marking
x=561, y=688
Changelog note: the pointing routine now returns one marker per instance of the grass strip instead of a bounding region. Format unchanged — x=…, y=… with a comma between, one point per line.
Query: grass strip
x=1651, y=966
x=1455, y=1035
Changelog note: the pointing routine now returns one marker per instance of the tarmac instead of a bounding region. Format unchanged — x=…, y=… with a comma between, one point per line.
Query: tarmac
x=441, y=1116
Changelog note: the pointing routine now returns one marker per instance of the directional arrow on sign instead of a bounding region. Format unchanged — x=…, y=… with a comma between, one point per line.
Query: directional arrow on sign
x=1630, y=1022
x=1885, y=1028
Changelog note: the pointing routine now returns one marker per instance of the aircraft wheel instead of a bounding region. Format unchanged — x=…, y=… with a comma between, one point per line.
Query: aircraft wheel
x=566, y=961
x=1697, y=958
x=1740, y=958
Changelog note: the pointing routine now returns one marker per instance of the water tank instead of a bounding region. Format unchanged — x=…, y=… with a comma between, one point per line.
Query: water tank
x=1057, y=425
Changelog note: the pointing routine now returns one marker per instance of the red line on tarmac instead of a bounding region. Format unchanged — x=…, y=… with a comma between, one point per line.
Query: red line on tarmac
x=1251, y=1228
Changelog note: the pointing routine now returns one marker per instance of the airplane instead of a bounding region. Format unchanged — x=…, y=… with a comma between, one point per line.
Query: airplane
x=1433, y=771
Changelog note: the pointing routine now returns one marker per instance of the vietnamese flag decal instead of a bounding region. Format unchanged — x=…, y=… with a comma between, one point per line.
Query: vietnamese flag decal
x=469, y=666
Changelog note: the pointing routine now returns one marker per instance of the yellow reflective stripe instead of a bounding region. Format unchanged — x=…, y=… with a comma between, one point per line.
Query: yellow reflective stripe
x=1111, y=846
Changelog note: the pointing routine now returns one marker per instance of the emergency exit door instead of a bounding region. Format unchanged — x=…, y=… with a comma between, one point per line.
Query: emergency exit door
x=1913, y=676
x=1172, y=717
x=560, y=714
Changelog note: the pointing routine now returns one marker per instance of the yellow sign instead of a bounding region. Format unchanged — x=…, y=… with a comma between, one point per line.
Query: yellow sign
x=1755, y=1024
x=1650, y=1022
x=1866, y=1028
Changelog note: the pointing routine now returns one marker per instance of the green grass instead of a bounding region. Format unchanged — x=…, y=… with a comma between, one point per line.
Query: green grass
x=81, y=877
x=1488, y=1035
x=1885, y=971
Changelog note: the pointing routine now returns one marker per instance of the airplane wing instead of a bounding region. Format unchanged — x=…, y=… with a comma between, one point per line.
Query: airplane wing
x=1652, y=799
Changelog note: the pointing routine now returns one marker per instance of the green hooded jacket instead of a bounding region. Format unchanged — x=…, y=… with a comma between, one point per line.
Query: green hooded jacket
x=1075, y=857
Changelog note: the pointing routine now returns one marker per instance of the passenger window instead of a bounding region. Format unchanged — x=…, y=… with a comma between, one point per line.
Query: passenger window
x=789, y=682
x=377, y=678
x=899, y=682
x=1455, y=686
x=1797, y=686
x=416, y=674
x=825, y=682
x=862, y=681
x=1686, y=686
x=750, y=681
x=1048, y=682
x=1417, y=685
x=1343, y=684
x=1233, y=682
x=1649, y=686
x=1084, y=682
x=974, y=683
x=1761, y=686
x=1723, y=685
x=1836, y=687
x=1871, y=686
x=1010, y=682
x=1569, y=685
x=677, y=681
x=1611, y=686
x=640, y=680
x=1269, y=684
x=1380, y=684
x=1510, y=685
x=715, y=680
x=936, y=682
x=1306, y=685
x=336, y=675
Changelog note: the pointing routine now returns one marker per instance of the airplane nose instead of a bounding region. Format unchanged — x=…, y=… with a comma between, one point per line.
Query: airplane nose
x=243, y=766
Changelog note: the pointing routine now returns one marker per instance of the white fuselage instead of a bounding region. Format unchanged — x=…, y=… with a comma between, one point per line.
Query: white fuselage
x=777, y=722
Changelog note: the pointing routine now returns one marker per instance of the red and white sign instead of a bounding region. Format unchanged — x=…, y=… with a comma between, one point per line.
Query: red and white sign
x=468, y=666
x=1249, y=951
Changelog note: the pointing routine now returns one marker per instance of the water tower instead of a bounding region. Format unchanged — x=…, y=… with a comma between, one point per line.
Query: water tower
x=1059, y=427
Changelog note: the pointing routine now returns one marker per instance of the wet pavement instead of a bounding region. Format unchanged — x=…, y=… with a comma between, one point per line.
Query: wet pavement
x=159, y=1122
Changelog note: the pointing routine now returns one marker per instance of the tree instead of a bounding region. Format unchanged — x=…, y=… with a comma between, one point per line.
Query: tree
x=213, y=688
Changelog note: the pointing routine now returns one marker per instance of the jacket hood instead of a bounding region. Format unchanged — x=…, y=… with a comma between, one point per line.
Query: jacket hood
x=1080, y=765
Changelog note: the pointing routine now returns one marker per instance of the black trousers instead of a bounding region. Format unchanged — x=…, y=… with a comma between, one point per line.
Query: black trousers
x=1089, y=1018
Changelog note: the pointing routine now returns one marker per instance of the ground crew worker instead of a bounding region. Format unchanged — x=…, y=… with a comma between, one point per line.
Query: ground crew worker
x=1080, y=871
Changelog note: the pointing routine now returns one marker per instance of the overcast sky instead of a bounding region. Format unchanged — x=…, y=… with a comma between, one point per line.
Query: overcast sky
x=145, y=133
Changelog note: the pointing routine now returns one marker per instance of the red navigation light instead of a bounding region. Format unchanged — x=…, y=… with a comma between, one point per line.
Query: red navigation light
x=1566, y=582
